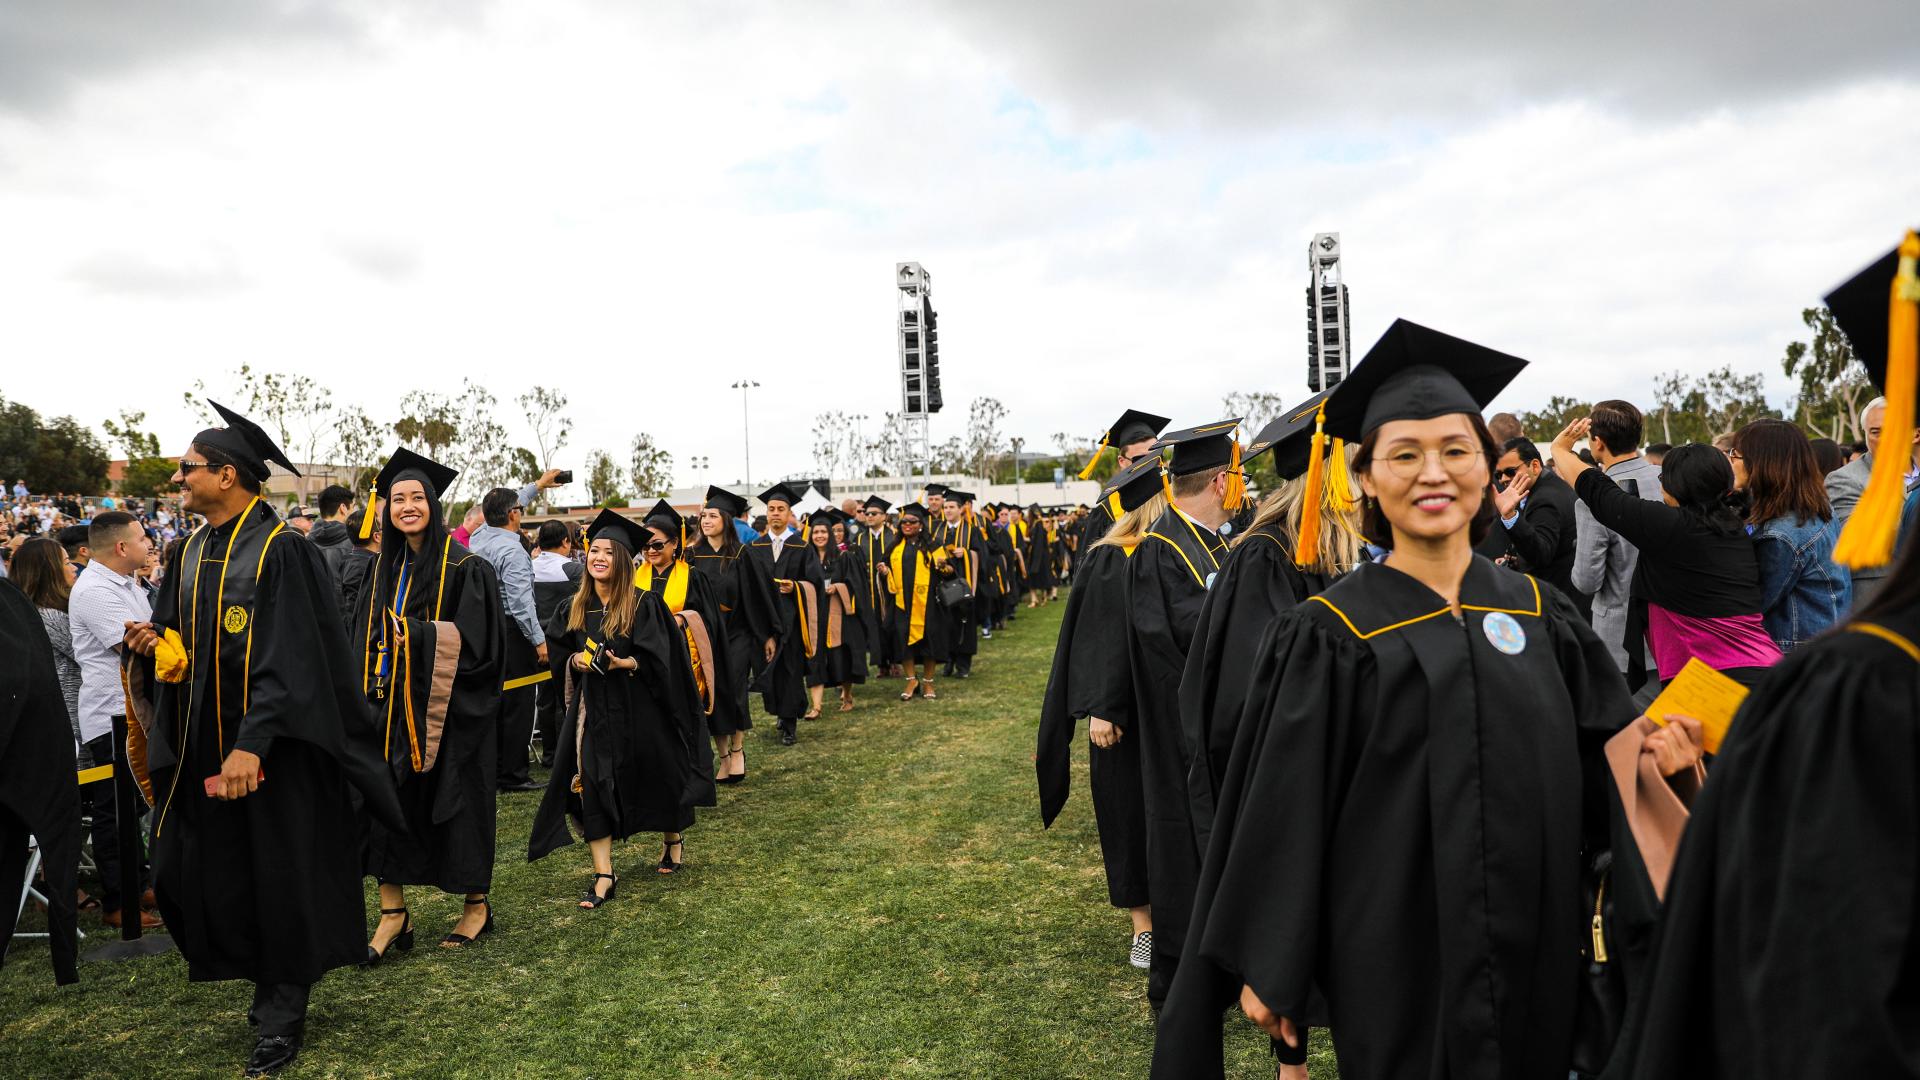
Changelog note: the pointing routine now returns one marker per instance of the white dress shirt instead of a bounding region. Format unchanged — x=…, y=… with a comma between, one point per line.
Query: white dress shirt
x=102, y=603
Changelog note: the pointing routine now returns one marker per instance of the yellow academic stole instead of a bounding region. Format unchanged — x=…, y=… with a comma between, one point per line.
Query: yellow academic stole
x=676, y=594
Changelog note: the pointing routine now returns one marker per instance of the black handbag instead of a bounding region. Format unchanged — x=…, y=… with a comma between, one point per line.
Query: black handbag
x=954, y=594
x=1603, y=990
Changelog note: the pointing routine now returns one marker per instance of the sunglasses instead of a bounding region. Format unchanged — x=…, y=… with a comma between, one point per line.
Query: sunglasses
x=1508, y=474
x=187, y=467
x=656, y=545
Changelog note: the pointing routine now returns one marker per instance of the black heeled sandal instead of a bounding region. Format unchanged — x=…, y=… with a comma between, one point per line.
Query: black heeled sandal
x=457, y=940
x=669, y=865
x=591, y=900
x=402, y=940
x=743, y=764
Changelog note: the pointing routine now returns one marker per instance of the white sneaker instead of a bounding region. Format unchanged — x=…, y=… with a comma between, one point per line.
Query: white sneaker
x=1141, y=955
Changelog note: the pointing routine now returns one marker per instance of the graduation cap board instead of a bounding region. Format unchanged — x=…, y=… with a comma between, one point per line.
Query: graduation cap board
x=1133, y=426
x=404, y=464
x=1879, y=311
x=1414, y=373
x=726, y=502
x=609, y=525
x=250, y=447
x=780, y=493
x=1290, y=437
x=1137, y=483
x=916, y=511
x=875, y=502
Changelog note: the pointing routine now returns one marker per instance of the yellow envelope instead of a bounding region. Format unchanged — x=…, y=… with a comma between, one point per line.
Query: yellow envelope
x=1704, y=694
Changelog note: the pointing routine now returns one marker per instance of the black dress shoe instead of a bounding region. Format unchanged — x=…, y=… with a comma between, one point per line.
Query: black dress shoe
x=786, y=738
x=524, y=785
x=272, y=1053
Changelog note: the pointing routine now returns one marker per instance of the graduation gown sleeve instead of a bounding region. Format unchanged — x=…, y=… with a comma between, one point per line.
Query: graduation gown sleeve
x=1090, y=673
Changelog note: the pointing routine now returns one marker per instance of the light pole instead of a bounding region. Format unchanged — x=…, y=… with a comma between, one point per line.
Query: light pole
x=746, y=444
x=1017, y=442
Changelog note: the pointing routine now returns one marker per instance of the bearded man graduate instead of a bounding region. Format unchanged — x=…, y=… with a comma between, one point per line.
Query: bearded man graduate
x=1167, y=581
x=781, y=557
x=250, y=732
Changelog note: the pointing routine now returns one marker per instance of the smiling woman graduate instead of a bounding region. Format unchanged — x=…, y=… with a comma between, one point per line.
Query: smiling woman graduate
x=748, y=621
x=429, y=629
x=1402, y=819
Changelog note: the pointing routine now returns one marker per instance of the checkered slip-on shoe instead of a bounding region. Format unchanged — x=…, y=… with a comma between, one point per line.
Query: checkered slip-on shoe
x=1141, y=955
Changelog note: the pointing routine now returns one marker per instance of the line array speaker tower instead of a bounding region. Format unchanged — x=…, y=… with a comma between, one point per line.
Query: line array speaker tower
x=917, y=335
x=1328, y=357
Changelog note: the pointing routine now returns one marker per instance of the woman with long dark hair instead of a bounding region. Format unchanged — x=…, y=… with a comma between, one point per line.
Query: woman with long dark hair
x=1802, y=593
x=431, y=634
x=1697, y=570
x=746, y=606
x=41, y=570
x=627, y=760
x=1402, y=818
x=840, y=659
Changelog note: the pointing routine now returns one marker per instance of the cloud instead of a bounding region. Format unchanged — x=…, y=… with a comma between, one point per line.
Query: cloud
x=135, y=274
x=383, y=259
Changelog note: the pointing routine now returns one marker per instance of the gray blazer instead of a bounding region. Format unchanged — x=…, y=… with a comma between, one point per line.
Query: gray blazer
x=1603, y=562
x=1844, y=486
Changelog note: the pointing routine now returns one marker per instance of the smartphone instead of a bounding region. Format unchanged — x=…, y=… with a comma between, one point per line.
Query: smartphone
x=565, y=477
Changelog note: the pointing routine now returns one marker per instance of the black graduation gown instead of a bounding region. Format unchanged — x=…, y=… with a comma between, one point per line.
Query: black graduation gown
x=1099, y=521
x=783, y=684
x=1041, y=553
x=703, y=598
x=964, y=550
x=449, y=839
x=875, y=600
x=914, y=579
x=637, y=741
x=837, y=664
x=1402, y=823
x=1257, y=583
x=1791, y=936
x=1167, y=579
x=39, y=796
x=1091, y=676
x=265, y=888
x=746, y=606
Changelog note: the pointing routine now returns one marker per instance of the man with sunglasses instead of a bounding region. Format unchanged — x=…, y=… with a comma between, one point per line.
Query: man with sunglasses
x=1536, y=506
x=498, y=542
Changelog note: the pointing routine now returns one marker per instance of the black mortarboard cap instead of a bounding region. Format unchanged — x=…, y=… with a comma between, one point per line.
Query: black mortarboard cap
x=937, y=489
x=1860, y=307
x=1290, y=437
x=611, y=525
x=962, y=497
x=662, y=515
x=914, y=509
x=1198, y=449
x=781, y=492
x=245, y=442
x=875, y=502
x=1133, y=426
x=407, y=465
x=726, y=501
x=1136, y=484
x=1413, y=373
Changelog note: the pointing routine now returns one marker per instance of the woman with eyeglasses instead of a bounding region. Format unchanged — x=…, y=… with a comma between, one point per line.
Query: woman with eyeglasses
x=431, y=635
x=746, y=616
x=696, y=608
x=1403, y=815
x=840, y=659
x=627, y=762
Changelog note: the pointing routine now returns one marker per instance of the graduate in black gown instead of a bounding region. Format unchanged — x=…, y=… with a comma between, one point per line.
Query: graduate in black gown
x=1791, y=937
x=1416, y=782
x=915, y=568
x=695, y=607
x=839, y=657
x=780, y=559
x=633, y=737
x=1262, y=576
x=1091, y=680
x=746, y=608
x=959, y=535
x=39, y=796
x=1131, y=437
x=873, y=542
x=250, y=737
x=1167, y=580
x=1041, y=552
x=430, y=635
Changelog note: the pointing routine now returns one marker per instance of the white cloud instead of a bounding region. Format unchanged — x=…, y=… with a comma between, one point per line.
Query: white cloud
x=642, y=206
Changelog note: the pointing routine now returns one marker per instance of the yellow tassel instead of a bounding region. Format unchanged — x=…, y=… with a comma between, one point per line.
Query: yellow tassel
x=366, y=519
x=1087, y=473
x=1339, y=479
x=1306, y=547
x=1236, y=481
x=1166, y=486
x=1868, y=539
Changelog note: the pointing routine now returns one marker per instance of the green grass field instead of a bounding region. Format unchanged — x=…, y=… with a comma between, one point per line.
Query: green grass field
x=878, y=901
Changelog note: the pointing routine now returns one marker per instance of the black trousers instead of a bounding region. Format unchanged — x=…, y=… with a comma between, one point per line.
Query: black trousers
x=279, y=1008
x=516, y=712
x=106, y=825
x=546, y=713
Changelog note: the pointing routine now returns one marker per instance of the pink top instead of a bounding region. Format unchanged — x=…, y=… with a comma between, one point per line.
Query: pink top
x=1722, y=642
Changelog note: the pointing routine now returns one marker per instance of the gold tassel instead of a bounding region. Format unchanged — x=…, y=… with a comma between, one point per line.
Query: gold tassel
x=1868, y=539
x=366, y=519
x=1306, y=547
x=1339, y=479
x=1166, y=485
x=1236, y=496
x=1087, y=473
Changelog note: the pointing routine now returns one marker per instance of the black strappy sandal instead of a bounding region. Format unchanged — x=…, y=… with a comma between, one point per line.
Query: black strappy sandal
x=670, y=865
x=402, y=940
x=743, y=763
x=591, y=900
x=457, y=940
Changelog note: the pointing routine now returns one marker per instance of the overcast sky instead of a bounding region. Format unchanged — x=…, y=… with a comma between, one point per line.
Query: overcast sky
x=642, y=203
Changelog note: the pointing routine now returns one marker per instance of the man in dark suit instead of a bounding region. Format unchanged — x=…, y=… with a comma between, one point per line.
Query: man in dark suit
x=1540, y=528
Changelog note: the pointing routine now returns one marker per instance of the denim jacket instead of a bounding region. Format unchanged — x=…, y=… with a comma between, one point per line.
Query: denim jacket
x=1803, y=592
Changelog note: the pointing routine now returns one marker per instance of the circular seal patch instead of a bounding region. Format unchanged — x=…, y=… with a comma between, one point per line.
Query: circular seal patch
x=235, y=620
x=1210, y=578
x=1504, y=632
